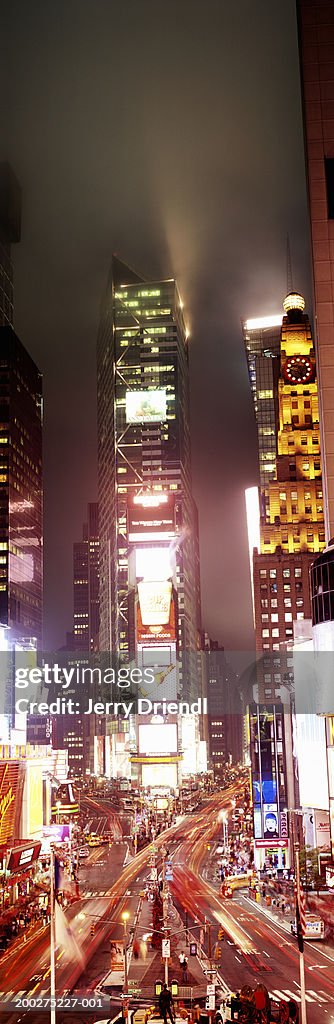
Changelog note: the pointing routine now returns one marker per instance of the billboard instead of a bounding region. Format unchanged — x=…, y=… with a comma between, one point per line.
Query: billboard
x=153, y=563
x=159, y=738
x=155, y=602
x=23, y=857
x=311, y=750
x=159, y=775
x=146, y=406
x=156, y=619
x=9, y=786
x=151, y=517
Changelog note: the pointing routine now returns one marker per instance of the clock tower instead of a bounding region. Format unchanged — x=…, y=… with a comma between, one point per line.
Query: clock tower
x=292, y=528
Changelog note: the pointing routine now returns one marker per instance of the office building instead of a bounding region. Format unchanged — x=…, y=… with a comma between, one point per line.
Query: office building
x=21, y=563
x=149, y=578
x=225, y=720
x=10, y=231
x=86, y=584
x=291, y=505
x=316, y=45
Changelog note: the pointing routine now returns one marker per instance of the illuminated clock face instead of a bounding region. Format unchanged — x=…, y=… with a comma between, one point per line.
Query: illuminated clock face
x=298, y=369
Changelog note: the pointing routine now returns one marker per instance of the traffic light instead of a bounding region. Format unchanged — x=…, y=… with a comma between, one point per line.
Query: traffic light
x=92, y=930
x=218, y=952
x=221, y=933
x=174, y=988
x=158, y=987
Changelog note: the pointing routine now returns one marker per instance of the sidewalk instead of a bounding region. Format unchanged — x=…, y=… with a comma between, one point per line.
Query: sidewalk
x=143, y=973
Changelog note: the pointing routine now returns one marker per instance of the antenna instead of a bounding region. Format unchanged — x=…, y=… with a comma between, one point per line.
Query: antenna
x=288, y=266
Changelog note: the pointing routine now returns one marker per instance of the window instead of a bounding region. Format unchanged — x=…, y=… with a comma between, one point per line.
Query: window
x=265, y=632
x=299, y=602
x=286, y=573
x=282, y=495
x=263, y=572
x=272, y=574
x=287, y=588
x=288, y=617
x=265, y=617
x=264, y=602
x=275, y=632
x=298, y=572
x=294, y=496
x=274, y=617
x=273, y=602
x=329, y=174
x=300, y=615
x=265, y=394
x=287, y=602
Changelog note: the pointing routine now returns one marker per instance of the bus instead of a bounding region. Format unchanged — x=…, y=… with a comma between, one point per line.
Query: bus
x=315, y=928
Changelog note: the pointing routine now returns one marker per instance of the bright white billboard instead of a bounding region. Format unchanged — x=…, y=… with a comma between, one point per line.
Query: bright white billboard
x=311, y=752
x=159, y=775
x=158, y=738
x=146, y=406
x=153, y=563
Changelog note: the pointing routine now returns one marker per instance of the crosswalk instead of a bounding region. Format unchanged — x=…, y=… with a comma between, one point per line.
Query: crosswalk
x=311, y=996
x=97, y=892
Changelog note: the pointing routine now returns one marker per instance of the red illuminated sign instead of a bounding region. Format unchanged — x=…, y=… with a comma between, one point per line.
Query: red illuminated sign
x=156, y=633
x=9, y=776
x=23, y=857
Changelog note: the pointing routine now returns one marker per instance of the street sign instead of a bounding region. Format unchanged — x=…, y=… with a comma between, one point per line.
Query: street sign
x=193, y=949
x=210, y=989
x=165, y=948
x=210, y=1003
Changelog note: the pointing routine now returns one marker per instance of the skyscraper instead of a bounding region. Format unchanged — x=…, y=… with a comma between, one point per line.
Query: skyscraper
x=316, y=43
x=86, y=584
x=149, y=579
x=21, y=560
x=292, y=518
x=10, y=230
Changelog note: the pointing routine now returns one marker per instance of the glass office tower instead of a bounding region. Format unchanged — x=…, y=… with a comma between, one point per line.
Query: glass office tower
x=148, y=521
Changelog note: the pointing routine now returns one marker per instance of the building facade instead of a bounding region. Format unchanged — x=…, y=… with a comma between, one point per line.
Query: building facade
x=316, y=45
x=86, y=584
x=21, y=506
x=149, y=566
x=10, y=231
x=292, y=509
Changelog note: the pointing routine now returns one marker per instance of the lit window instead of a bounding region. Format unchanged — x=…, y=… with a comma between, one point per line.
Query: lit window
x=268, y=393
x=275, y=632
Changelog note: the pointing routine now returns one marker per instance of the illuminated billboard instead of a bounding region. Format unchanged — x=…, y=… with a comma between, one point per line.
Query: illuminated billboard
x=150, y=519
x=159, y=775
x=23, y=857
x=9, y=788
x=154, y=602
x=145, y=406
x=311, y=749
x=153, y=563
x=159, y=738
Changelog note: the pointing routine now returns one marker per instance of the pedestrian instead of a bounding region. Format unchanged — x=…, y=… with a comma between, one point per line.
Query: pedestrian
x=166, y=1004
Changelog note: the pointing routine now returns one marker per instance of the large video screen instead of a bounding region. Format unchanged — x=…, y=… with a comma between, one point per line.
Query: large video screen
x=145, y=406
x=158, y=738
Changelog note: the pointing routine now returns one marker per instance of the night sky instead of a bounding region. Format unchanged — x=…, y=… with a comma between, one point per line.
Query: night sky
x=170, y=134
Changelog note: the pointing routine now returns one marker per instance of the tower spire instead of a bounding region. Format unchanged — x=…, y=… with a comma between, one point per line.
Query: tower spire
x=288, y=266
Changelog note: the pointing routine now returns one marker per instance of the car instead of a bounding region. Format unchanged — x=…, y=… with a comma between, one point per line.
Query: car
x=83, y=853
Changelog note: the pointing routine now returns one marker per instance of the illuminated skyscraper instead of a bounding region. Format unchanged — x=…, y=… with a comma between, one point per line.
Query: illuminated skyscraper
x=148, y=521
x=316, y=39
x=262, y=344
x=21, y=563
x=292, y=517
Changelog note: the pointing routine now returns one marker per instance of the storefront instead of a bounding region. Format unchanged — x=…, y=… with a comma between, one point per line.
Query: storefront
x=272, y=854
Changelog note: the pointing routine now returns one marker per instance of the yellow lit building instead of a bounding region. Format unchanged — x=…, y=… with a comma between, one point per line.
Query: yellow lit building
x=292, y=517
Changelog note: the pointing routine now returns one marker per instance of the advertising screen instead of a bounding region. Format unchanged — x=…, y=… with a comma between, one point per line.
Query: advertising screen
x=9, y=779
x=151, y=517
x=158, y=739
x=156, y=613
x=145, y=406
x=310, y=744
x=159, y=774
x=270, y=821
x=153, y=563
x=154, y=602
x=23, y=858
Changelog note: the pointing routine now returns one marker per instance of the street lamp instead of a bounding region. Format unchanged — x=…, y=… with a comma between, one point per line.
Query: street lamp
x=125, y=918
